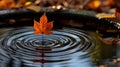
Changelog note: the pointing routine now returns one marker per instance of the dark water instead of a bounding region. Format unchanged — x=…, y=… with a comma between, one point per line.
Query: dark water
x=66, y=47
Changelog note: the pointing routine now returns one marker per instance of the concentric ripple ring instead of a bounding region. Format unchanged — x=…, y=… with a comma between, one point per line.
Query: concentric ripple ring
x=63, y=46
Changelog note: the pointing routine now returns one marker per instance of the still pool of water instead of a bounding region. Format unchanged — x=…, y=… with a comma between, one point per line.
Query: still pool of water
x=66, y=47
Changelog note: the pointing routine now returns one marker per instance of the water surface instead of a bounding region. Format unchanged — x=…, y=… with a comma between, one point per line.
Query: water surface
x=66, y=47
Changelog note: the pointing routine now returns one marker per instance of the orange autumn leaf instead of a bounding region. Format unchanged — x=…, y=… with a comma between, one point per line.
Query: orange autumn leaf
x=117, y=15
x=109, y=3
x=94, y=4
x=43, y=26
x=7, y=4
